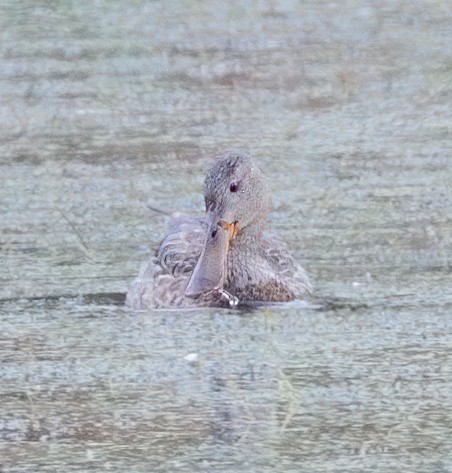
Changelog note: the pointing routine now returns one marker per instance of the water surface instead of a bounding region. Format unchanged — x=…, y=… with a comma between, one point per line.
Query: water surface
x=110, y=108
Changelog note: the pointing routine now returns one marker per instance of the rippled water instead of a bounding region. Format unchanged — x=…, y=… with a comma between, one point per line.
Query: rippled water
x=110, y=110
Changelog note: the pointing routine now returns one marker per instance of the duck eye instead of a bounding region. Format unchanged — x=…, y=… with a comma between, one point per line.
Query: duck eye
x=234, y=187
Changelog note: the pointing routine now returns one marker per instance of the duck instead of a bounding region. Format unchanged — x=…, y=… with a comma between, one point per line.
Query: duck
x=224, y=258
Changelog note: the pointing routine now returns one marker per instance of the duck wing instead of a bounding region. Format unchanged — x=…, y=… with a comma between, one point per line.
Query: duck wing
x=179, y=251
x=285, y=269
x=163, y=278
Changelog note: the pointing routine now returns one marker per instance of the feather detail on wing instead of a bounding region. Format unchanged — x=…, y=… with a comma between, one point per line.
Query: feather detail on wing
x=180, y=249
x=287, y=270
x=162, y=279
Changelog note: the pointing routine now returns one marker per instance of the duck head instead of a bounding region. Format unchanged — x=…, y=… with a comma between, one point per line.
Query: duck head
x=237, y=200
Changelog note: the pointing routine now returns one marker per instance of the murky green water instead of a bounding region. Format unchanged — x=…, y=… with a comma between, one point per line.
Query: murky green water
x=107, y=108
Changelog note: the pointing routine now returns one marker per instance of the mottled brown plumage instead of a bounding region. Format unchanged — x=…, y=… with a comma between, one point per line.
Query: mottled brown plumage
x=224, y=258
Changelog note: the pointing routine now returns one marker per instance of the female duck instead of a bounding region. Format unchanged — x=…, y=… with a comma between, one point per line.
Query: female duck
x=224, y=258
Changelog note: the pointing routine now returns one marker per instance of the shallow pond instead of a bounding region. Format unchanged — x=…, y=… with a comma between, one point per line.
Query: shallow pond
x=109, y=114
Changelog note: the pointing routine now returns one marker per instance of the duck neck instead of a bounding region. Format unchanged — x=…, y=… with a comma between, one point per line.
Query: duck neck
x=243, y=260
x=245, y=240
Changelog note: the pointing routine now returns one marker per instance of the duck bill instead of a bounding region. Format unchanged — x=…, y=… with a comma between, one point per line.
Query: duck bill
x=208, y=274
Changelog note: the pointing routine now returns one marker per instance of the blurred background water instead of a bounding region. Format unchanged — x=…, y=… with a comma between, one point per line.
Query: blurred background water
x=109, y=108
